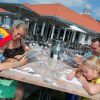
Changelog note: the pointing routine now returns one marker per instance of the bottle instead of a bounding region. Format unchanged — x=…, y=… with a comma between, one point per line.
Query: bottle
x=57, y=49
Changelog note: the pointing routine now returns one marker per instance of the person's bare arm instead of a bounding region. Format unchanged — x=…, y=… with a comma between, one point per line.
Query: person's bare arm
x=78, y=59
x=72, y=74
x=13, y=64
x=25, y=47
x=7, y=65
x=89, y=87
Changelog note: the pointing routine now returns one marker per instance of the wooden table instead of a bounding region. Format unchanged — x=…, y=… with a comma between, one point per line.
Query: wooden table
x=33, y=79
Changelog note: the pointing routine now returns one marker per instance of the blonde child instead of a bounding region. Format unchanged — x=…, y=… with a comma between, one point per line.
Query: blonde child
x=14, y=91
x=88, y=74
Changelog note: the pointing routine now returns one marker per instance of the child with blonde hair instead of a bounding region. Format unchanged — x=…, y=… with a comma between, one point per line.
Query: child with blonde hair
x=14, y=90
x=88, y=74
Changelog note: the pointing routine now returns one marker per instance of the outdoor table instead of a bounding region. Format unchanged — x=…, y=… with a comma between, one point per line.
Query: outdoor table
x=34, y=78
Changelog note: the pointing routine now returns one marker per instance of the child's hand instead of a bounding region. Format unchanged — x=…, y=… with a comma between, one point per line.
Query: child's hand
x=80, y=77
x=78, y=74
x=71, y=76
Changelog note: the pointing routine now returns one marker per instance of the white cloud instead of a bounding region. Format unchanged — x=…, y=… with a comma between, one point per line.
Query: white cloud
x=10, y=1
x=76, y=3
x=97, y=12
x=42, y=1
x=72, y=3
x=88, y=6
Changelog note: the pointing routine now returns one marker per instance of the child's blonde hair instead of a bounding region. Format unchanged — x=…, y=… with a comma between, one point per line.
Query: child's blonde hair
x=93, y=62
x=22, y=25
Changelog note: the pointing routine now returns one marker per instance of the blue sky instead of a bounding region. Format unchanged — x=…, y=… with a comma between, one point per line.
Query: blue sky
x=76, y=5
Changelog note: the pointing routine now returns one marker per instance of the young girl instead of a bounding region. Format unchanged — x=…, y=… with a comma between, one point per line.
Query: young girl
x=89, y=75
x=12, y=90
x=16, y=47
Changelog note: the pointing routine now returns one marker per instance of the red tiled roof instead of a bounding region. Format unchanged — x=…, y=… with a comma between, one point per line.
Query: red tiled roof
x=2, y=10
x=67, y=14
x=91, y=22
x=43, y=9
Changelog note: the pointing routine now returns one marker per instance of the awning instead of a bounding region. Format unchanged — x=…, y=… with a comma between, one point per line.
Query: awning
x=73, y=27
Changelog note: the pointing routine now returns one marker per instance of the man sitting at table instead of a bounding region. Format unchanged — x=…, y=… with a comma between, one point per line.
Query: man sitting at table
x=95, y=50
